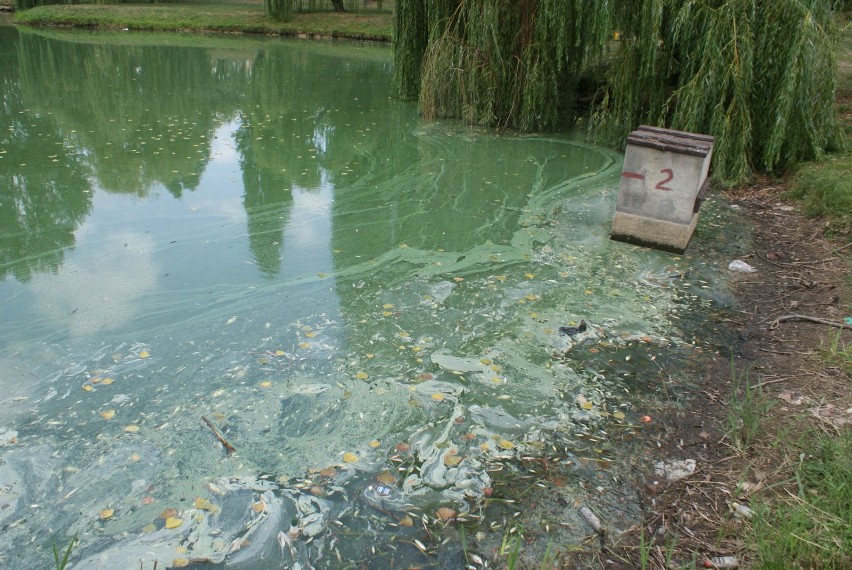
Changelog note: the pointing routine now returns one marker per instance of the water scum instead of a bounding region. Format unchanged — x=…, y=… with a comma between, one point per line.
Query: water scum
x=387, y=402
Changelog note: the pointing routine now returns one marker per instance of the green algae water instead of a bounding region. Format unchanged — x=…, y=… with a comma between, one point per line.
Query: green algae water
x=252, y=244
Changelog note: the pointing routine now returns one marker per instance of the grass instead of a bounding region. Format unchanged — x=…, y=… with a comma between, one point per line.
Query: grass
x=746, y=408
x=811, y=527
x=221, y=17
x=61, y=560
x=823, y=185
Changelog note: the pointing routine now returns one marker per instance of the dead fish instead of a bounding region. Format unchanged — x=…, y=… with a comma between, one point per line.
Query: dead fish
x=571, y=331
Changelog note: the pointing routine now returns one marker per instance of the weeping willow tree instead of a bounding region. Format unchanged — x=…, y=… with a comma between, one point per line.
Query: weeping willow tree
x=496, y=62
x=759, y=75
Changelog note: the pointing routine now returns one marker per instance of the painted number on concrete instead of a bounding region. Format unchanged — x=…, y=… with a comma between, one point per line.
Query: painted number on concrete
x=661, y=185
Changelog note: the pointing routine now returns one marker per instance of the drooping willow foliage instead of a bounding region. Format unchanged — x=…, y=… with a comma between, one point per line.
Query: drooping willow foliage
x=496, y=62
x=759, y=75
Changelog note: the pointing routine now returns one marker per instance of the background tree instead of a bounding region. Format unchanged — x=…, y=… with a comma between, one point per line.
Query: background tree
x=759, y=75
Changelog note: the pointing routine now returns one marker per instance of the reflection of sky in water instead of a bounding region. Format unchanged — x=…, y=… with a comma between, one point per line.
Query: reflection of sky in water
x=337, y=283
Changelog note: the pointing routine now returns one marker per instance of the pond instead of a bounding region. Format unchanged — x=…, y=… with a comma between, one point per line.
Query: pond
x=256, y=313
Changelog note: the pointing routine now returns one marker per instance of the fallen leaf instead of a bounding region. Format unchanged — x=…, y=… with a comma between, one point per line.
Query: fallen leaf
x=304, y=345
x=203, y=504
x=587, y=405
x=618, y=415
x=445, y=513
x=387, y=306
x=107, y=381
x=258, y=507
x=132, y=428
x=108, y=414
x=361, y=375
x=386, y=478
x=375, y=443
x=173, y=522
x=406, y=521
x=168, y=513
x=147, y=500
x=349, y=457
x=403, y=447
x=506, y=444
x=645, y=419
x=529, y=275
x=150, y=527
x=106, y=513
x=144, y=354
x=437, y=396
x=265, y=384
x=451, y=460
x=88, y=388
x=280, y=353
x=135, y=457
x=180, y=563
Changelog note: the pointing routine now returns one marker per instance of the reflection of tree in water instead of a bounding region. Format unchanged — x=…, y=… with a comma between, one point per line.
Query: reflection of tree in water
x=143, y=114
x=43, y=183
x=300, y=128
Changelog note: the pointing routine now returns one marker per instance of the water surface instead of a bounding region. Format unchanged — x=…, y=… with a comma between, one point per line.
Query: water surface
x=367, y=307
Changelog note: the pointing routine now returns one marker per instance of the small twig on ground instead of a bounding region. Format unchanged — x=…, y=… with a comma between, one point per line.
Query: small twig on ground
x=774, y=324
x=839, y=249
x=228, y=447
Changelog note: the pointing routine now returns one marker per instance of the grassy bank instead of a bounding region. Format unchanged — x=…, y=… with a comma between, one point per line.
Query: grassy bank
x=823, y=186
x=219, y=17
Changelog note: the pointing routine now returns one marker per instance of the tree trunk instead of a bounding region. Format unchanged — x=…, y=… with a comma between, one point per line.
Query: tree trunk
x=338, y=5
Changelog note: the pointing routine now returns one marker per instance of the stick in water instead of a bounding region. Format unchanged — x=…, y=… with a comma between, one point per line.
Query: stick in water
x=228, y=447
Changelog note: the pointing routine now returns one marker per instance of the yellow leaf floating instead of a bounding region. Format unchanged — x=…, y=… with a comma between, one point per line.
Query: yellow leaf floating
x=180, y=563
x=387, y=306
x=618, y=415
x=144, y=354
x=386, y=313
x=349, y=457
x=265, y=384
x=529, y=275
x=311, y=334
x=386, y=478
x=280, y=353
x=304, y=345
x=108, y=414
x=132, y=428
x=451, y=460
x=135, y=457
x=106, y=513
x=437, y=396
x=173, y=522
x=361, y=375
x=258, y=507
x=203, y=504
x=506, y=444
x=88, y=388
x=587, y=405
x=107, y=381
x=150, y=527
x=375, y=443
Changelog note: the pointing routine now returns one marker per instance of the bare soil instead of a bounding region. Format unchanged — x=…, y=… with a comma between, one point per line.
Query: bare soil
x=792, y=311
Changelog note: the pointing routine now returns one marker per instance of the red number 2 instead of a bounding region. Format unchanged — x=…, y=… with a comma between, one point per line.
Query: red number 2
x=661, y=185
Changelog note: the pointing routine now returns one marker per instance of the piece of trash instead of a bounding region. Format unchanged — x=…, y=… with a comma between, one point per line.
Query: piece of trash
x=722, y=562
x=592, y=519
x=741, y=266
x=675, y=470
x=570, y=331
x=741, y=511
x=645, y=419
